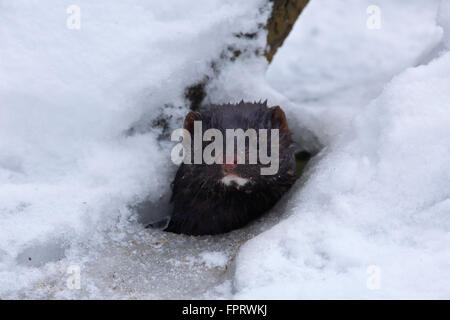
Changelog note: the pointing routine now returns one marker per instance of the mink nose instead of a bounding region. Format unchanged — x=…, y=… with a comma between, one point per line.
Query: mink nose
x=229, y=166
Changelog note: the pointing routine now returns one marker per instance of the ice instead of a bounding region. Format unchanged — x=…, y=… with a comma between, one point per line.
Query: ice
x=40, y=254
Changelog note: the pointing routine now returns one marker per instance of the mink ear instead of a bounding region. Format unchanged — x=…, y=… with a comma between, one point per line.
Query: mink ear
x=279, y=119
x=189, y=121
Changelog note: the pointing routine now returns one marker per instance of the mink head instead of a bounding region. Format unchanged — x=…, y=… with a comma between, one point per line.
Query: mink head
x=211, y=197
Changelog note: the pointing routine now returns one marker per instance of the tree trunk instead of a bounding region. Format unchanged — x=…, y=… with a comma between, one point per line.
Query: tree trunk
x=284, y=15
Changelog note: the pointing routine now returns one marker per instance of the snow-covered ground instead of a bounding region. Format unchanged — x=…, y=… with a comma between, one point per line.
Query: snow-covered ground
x=373, y=218
x=369, y=219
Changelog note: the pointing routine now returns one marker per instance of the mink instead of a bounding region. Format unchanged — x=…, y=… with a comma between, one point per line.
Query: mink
x=217, y=198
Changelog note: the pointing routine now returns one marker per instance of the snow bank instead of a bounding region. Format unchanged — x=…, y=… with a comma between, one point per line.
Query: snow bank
x=369, y=219
x=372, y=220
x=68, y=171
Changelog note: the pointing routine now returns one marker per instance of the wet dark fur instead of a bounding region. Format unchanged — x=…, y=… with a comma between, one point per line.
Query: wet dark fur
x=202, y=204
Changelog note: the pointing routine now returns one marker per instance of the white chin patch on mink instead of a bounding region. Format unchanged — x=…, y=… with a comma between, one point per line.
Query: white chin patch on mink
x=233, y=180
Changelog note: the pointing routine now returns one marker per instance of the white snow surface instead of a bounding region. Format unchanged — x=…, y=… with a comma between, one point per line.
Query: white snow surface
x=369, y=219
x=372, y=219
x=68, y=173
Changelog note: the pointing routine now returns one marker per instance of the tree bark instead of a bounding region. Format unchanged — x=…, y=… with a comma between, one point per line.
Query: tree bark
x=279, y=25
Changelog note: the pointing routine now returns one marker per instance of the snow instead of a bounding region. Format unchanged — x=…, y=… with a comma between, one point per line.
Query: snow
x=388, y=205
x=369, y=219
x=346, y=64
x=444, y=22
x=214, y=259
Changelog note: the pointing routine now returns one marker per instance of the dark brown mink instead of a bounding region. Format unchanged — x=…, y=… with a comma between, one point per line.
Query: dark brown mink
x=202, y=203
